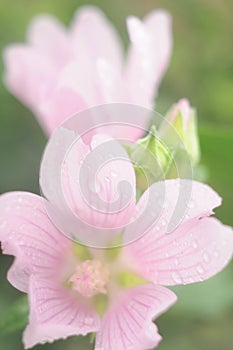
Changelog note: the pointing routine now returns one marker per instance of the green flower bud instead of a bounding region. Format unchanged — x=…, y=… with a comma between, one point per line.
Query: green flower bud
x=179, y=130
x=151, y=160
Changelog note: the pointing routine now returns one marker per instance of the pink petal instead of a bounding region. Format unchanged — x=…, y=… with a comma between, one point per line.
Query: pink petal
x=47, y=35
x=196, y=249
x=97, y=81
x=128, y=325
x=56, y=314
x=182, y=106
x=95, y=37
x=149, y=54
x=98, y=58
x=78, y=75
x=90, y=186
x=29, y=75
x=99, y=183
x=27, y=233
x=64, y=103
x=168, y=204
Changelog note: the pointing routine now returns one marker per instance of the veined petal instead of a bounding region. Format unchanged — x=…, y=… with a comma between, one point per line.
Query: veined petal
x=149, y=54
x=194, y=252
x=196, y=249
x=128, y=324
x=56, y=314
x=27, y=233
x=168, y=204
x=99, y=182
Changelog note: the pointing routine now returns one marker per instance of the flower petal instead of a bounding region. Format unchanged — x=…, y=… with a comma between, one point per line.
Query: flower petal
x=27, y=233
x=195, y=250
x=168, y=204
x=99, y=182
x=78, y=75
x=29, y=75
x=149, y=54
x=64, y=103
x=95, y=37
x=46, y=34
x=56, y=314
x=128, y=325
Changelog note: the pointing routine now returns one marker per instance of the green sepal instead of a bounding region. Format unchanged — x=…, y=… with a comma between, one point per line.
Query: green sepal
x=81, y=252
x=92, y=337
x=114, y=249
x=100, y=303
x=178, y=136
x=151, y=160
x=129, y=279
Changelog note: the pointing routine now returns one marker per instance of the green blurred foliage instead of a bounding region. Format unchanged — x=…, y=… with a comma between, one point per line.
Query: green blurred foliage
x=201, y=70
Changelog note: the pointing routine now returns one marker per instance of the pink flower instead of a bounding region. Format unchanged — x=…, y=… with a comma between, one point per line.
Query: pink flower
x=115, y=292
x=60, y=72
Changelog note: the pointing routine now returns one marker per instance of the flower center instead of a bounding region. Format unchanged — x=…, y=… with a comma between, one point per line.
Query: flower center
x=90, y=278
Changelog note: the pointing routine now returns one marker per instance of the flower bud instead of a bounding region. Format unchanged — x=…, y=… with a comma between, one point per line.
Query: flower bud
x=179, y=130
x=151, y=159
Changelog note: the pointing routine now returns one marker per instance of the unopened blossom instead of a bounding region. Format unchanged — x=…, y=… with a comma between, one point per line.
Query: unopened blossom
x=118, y=292
x=179, y=128
x=60, y=71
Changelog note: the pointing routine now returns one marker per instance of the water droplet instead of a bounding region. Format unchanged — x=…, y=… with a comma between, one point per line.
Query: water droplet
x=206, y=257
x=176, y=262
x=176, y=278
x=195, y=244
x=163, y=222
x=191, y=204
x=157, y=228
x=107, y=178
x=200, y=269
x=88, y=321
x=113, y=174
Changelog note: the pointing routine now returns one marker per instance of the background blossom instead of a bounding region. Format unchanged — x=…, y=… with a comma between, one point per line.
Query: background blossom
x=60, y=72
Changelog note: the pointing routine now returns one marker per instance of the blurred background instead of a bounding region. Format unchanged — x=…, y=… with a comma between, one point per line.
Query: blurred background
x=201, y=69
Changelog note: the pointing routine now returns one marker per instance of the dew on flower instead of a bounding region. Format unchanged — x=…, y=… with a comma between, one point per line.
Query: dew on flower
x=200, y=269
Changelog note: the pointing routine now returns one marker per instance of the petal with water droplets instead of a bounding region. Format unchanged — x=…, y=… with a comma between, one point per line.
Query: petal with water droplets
x=27, y=233
x=128, y=324
x=56, y=314
x=194, y=252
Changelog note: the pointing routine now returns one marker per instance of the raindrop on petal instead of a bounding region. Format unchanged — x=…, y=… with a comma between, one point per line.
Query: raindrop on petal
x=176, y=278
x=200, y=269
x=206, y=257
